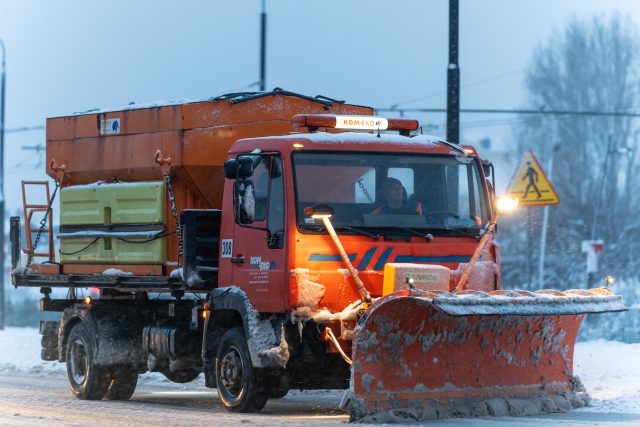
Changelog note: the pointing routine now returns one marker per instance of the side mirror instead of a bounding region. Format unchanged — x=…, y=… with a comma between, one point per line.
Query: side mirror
x=239, y=168
x=244, y=201
x=487, y=167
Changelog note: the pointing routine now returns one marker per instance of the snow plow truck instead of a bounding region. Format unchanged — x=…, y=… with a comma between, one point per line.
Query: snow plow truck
x=273, y=241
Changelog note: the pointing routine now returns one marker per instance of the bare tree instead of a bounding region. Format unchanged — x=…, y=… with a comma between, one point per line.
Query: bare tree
x=591, y=66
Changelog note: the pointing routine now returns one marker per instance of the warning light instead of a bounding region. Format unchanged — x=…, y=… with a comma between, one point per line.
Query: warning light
x=608, y=281
x=314, y=121
x=298, y=145
x=88, y=299
x=507, y=205
x=319, y=211
x=468, y=151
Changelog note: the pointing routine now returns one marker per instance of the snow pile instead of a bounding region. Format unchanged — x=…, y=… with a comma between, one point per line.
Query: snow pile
x=310, y=292
x=261, y=340
x=325, y=316
x=178, y=273
x=116, y=272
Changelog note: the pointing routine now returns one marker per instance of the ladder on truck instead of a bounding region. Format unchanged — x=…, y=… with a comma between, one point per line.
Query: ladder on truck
x=29, y=210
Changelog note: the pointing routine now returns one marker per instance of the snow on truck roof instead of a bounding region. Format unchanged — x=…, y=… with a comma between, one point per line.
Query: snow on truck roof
x=361, y=138
x=141, y=106
x=234, y=97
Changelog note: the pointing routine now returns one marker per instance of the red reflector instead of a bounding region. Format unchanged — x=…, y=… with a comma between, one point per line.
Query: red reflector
x=314, y=121
x=403, y=124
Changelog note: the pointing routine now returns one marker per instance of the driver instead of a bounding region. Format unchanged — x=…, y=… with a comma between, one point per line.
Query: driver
x=396, y=200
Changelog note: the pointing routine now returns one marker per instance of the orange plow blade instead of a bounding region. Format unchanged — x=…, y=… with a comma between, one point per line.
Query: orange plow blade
x=420, y=355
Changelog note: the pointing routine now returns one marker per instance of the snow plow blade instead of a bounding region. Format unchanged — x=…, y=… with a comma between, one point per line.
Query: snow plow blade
x=424, y=355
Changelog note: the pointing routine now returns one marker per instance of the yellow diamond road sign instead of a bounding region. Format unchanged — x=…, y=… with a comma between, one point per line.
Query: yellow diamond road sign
x=530, y=184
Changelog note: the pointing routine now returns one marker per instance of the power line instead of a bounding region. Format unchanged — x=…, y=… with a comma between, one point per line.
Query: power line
x=513, y=111
x=505, y=121
x=24, y=129
x=441, y=92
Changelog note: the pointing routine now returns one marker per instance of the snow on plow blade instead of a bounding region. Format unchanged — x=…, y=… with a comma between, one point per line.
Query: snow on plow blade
x=424, y=355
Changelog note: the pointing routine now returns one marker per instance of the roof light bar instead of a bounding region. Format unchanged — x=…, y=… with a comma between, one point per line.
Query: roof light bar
x=314, y=121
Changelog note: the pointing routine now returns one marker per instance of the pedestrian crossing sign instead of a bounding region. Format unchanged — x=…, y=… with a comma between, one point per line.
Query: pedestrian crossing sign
x=530, y=184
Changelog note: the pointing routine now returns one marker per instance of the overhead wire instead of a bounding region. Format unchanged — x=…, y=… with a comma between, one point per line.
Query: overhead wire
x=476, y=83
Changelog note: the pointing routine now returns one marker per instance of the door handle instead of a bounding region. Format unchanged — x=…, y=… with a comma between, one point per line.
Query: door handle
x=238, y=259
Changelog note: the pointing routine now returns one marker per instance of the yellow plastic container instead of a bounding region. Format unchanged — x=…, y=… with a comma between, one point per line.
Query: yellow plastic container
x=91, y=208
x=118, y=203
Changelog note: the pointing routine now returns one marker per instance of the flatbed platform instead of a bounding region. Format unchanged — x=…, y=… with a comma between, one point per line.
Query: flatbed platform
x=123, y=283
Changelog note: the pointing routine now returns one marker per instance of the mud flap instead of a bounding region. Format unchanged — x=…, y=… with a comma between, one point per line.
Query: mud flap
x=418, y=356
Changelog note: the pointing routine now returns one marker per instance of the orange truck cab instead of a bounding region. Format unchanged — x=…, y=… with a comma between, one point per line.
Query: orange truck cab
x=235, y=273
x=284, y=259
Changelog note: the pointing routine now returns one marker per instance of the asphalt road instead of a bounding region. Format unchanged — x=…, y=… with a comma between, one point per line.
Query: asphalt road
x=44, y=400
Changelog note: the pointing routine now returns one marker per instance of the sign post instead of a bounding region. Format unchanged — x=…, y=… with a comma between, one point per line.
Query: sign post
x=592, y=249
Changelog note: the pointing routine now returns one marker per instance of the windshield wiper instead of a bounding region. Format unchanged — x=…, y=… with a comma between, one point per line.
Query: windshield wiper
x=341, y=228
x=416, y=232
x=462, y=232
x=357, y=230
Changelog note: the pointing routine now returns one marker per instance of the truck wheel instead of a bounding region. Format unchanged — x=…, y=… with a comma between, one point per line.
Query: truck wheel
x=87, y=381
x=239, y=384
x=122, y=385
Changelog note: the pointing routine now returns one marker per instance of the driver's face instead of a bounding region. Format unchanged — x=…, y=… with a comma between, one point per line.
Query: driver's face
x=394, y=194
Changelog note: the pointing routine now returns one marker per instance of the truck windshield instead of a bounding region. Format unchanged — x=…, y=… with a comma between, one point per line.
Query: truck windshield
x=385, y=191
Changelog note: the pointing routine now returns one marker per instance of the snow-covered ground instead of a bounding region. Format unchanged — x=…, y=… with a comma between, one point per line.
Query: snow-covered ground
x=20, y=353
x=609, y=370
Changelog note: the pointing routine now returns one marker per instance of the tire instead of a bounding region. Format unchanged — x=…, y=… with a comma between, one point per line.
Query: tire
x=122, y=384
x=49, y=342
x=181, y=377
x=239, y=384
x=86, y=380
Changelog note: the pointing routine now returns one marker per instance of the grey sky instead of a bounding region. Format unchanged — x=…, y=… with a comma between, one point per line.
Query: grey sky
x=68, y=56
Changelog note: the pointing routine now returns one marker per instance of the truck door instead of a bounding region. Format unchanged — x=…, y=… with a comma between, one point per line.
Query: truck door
x=259, y=247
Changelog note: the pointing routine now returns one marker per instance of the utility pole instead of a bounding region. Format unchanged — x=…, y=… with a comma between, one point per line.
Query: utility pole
x=2, y=104
x=453, y=77
x=545, y=222
x=263, y=46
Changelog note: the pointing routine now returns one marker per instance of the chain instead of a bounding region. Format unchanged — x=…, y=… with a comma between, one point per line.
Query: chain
x=364, y=190
x=174, y=210
x=43, y=224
